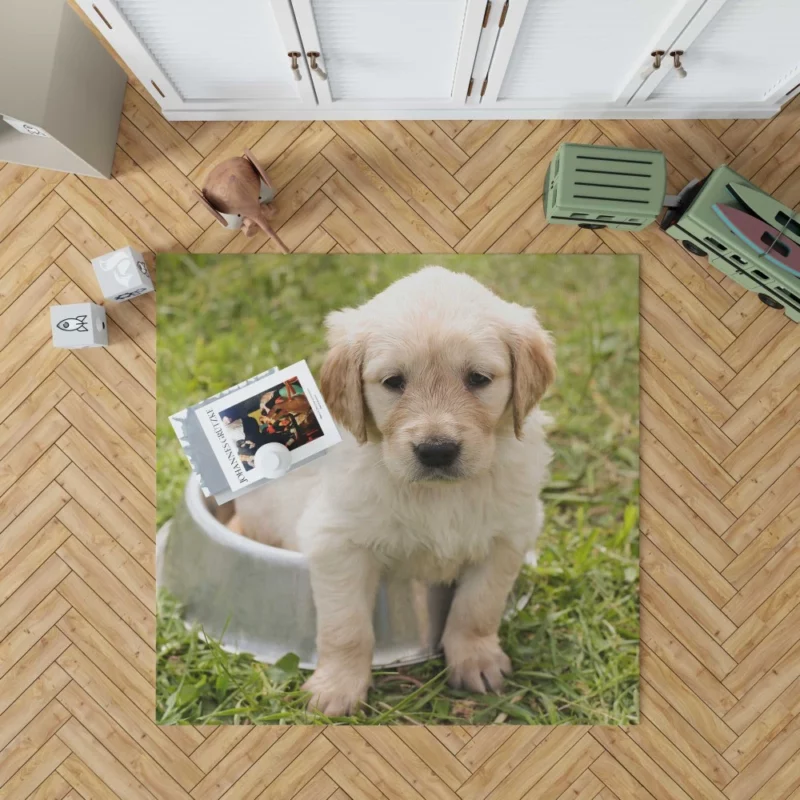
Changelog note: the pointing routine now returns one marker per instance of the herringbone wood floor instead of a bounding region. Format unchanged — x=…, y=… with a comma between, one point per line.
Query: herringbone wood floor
x=720, y=405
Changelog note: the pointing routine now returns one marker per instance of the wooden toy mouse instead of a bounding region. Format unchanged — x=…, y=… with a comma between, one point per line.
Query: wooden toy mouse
x=237, y=193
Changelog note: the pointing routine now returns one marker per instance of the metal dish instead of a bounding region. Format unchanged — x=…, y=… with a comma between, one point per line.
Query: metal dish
x=257, y=599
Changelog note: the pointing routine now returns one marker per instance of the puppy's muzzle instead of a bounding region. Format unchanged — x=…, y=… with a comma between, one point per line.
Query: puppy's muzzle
x=438, y=454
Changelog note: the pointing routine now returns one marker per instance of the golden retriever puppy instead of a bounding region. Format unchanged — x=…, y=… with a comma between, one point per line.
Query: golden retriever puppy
x=437, y=380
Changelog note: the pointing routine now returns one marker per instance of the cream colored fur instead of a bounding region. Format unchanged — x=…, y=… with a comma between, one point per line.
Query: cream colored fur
x=371, y=507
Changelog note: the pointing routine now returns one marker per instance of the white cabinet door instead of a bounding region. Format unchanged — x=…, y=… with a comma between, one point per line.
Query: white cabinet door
x=411, y=54
x=208, y=54
x=579, y=54
x=737, y=51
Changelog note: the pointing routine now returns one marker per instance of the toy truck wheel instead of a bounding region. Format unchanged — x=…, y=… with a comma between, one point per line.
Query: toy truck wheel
x=592, y=226
x=769, y=301
x=693, y=248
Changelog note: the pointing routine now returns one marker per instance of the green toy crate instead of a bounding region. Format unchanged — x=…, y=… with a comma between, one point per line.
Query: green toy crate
x=598, y=187
x=696, y=225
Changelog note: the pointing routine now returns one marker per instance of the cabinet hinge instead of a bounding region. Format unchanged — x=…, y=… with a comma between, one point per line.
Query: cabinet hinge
x=483, y=88
x=503, y=15
x=486, y=13
x=469, y=88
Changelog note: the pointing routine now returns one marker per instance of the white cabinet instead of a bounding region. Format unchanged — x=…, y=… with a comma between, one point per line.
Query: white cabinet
x=339, y=59
x=570, y=53
x=207, y=55
x=735, y=51
x=408, y=54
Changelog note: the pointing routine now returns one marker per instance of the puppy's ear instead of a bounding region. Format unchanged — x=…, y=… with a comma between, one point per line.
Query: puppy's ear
x=340, y=379
x=533, y=366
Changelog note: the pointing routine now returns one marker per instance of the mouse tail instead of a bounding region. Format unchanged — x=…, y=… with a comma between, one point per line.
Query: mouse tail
x=270, y=231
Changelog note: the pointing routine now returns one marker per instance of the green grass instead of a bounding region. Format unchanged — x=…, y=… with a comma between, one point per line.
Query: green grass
x=572, y=629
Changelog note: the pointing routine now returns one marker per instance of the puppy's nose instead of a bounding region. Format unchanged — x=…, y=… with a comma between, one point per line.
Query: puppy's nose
x=437, y=453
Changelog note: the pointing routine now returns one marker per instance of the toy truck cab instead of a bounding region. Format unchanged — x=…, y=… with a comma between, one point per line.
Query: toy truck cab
x=702, y=232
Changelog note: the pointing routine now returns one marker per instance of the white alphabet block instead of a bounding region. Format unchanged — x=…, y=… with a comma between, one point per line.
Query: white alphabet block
x=78, y=325
x=122, y=274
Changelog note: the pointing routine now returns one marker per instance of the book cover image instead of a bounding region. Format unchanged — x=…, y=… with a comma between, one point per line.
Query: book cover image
x=223, y=434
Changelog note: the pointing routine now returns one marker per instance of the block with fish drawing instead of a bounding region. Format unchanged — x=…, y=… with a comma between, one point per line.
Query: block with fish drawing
x=78, y=325
x=122, y=274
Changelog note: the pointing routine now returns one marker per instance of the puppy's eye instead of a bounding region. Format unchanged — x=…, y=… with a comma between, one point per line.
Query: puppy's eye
x=476, y=379
x=395, y=382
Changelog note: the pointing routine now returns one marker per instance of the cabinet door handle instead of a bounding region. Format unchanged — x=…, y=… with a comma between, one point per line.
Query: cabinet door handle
x=312, y=57
x=657, y=55
x=676, y=60
x=294, y=55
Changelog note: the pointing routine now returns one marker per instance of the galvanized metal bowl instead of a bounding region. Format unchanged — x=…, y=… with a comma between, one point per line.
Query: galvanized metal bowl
x=257, y=599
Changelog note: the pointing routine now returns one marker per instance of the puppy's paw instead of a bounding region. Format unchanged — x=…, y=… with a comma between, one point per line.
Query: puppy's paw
x=336, y=693
x=476, y=663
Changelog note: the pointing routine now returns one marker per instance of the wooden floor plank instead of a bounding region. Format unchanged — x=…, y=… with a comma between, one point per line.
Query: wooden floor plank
x=77, y=739
x=764, y=400
x=37, y=769
x=12, y=176
x=355, y=230
x=95, y=609
x=153, y=161
x=144, y=189
x=506, y=142
x=30, y=267
x=28, y=425
x=759, y=516
x=385, y=198
x=683, y=591
x=47, y=614
x=227, y=772
x=139, y=111
x=681, y=553
x=762, y=584
x=119, y=744
x=30, y=302
x=86, y=782
x=209, y=135
x=680, y=515
x=30, y=231
x=639, y=764
x=668, y=733
x=681, y=330
x=511, y=172
x=687, y=703
x=34, y=580
x=684, y=375
x=138, y=724
x=128, y=552
x=31, y=484
x=687, y=468
x=109, y=480
x=124, y=458
x=33, y=736
x=107, y=586
x=437, y=143
x=419, y=161
x=763, y=438
x=684, y=412
x=763, y=730
x=691, y=635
